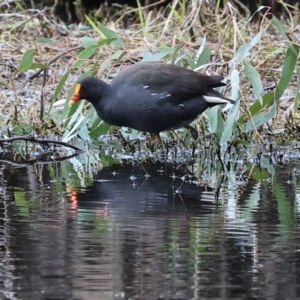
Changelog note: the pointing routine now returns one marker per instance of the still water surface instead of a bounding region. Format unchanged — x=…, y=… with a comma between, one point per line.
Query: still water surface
x=103, y=228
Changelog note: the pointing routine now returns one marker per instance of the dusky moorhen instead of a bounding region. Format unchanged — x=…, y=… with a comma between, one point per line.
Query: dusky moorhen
x=152, y=97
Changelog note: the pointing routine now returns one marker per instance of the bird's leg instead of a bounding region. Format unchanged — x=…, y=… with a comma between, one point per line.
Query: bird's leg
x=157, y=137
x=195, y=136
x=126, y=143
x=158, y=144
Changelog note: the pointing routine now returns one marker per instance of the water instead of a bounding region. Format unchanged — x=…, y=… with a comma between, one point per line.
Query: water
x=93, y=227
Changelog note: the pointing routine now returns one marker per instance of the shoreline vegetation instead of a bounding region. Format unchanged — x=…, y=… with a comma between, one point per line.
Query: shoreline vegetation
x=41, y=60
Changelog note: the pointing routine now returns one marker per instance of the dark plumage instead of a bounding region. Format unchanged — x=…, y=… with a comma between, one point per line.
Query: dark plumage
x=152, y=97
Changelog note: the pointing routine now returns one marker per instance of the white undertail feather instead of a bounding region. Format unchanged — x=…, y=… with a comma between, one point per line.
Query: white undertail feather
x=215, y=99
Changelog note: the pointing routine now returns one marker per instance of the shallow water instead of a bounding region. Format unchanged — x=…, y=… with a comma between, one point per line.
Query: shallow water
x=94, y=227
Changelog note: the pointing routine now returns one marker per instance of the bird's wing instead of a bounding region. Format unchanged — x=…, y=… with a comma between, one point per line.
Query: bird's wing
x=176, y=83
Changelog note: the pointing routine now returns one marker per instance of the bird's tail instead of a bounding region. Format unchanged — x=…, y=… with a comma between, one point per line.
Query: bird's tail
x=214, y=98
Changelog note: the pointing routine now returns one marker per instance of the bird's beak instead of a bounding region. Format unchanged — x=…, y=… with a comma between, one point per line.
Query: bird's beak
x=76, y=96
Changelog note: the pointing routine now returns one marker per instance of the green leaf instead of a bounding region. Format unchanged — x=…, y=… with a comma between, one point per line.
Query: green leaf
x=106, y=64
x=93, y=24
x=96, y=123
x=111, y=35
x=108, y=160
x=242, y=142
x=289, y=64
x=84, y=55
x=140, y=13
x=106, y=33
x=148, y=56
x=235, y=83
x=37, y=66
x=189, y=61
x=203, y=54
x=254, y=79
x=88, y=41
x=148, y=21
x=22, y=129
x=134, y=134
x=59, y=88
x=166, y=49
x=118, y=55
x=175, y=12
x=101, y=129
x=279, y=25
x=203, y=57
x=105, y=42
x=258, y=173
x=215, y=119
x=83, y=132
x=258, y=10
x=44, y=40
x=260, y=119
x=268, y=99
x=88, y=52
x=202, y=47
x=242, y=52
x=228, y=128
x=74, y=123
x=26, y=60
x=174, y=54
x=257, y=38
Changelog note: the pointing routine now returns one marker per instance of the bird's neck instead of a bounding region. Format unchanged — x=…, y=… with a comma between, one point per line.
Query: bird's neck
x=98, y=94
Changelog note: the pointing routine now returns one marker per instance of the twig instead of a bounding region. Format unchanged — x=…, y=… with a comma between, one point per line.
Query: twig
x=174, y=4
x=39, y=12
x=40, y=141
x=42, y=104
x=9, y=66
x=36, y=161
x=54, y=59
x=7, y=15
x=128, y=12
x=7, y=3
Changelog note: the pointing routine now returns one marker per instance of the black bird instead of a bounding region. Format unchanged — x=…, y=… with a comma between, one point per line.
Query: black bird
x=152, y=97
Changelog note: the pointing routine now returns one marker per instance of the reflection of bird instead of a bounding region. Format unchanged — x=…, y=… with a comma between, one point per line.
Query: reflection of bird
x=152, y=97
x=145, y=189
